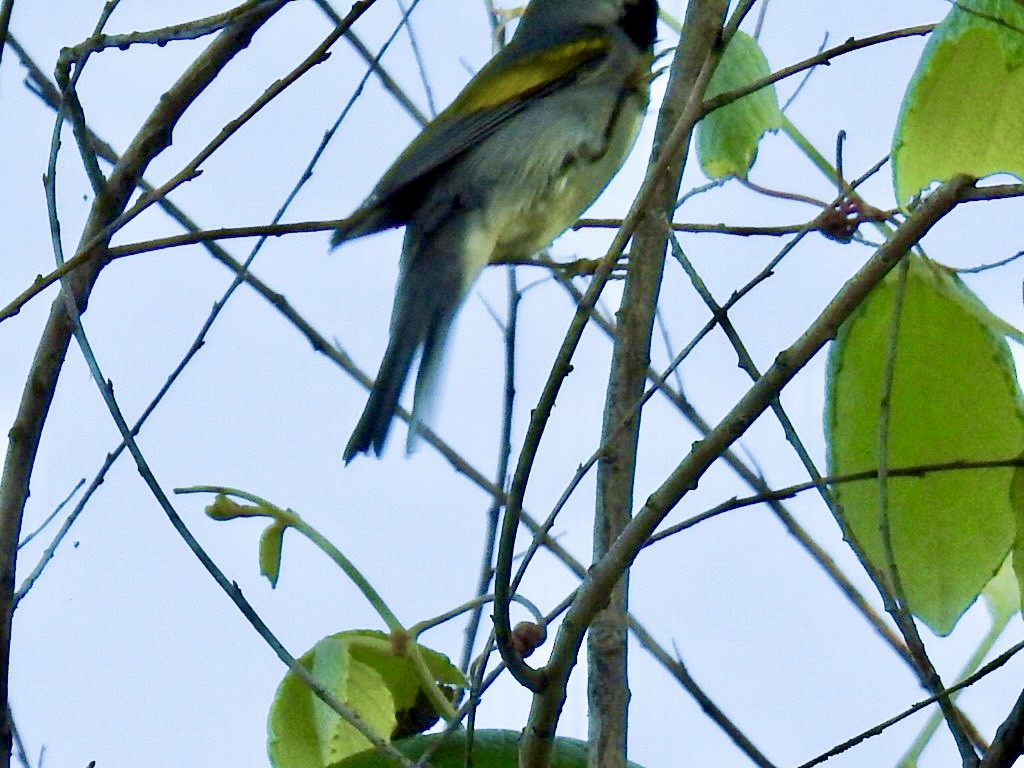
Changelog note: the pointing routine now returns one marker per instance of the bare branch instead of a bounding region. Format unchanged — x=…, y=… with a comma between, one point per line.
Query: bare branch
x=607, y=678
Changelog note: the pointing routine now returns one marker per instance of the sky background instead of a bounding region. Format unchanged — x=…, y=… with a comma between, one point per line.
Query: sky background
x=126, y=652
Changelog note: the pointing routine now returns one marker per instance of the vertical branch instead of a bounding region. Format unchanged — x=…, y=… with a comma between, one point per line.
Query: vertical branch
x=608, y=683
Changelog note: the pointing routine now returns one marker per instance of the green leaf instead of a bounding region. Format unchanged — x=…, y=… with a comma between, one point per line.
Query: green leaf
x=491, y=749
x=303, y=732
x=727, y=138
x=415, y=711
x=397, y=670
x=271, y=542
x=963, y=111
x=1017, y=499
x=364, y=670
x=1002, y=594
x=359, y=686
x=954, y=398
x=292, y=738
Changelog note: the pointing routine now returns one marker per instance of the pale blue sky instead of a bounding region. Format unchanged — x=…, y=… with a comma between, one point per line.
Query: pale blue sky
x=126, y=652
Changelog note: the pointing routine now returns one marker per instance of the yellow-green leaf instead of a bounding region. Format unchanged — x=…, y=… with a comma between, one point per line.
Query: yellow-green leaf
x=1017, y=499
x=303, y=732
x=271, y=542
x=363, y=669
x=963, y=111
x=1002, y=594
x=954, y=398
x=359, y=686
x=397, y=670
x=727, y=138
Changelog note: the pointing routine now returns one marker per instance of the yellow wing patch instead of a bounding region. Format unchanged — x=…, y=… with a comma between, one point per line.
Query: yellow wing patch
x=533, y=73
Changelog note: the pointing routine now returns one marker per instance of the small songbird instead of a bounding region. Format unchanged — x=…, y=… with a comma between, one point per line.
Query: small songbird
x=524, y=149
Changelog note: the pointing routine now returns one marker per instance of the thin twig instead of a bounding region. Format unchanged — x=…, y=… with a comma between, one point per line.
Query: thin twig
x=746, y=362
x=712, y=229
x=501, y=478
x=19, y=745
x=823, y=57
x=853, y=477
x=530, y=677
x=49, y=518
x=190, y=30
x=716, y=715
x=993, y=192
x=69, y=70
x=389, y=83
x=421, y=65
x=988, y=669
x=993, y=265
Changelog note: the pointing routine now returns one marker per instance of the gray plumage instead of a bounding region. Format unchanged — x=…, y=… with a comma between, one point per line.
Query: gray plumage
x=527, y=147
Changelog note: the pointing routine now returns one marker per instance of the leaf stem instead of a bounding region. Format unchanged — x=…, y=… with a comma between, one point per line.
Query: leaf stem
x=291, y=519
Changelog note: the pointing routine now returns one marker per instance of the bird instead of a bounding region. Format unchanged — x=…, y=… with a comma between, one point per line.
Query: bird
x=525, y=148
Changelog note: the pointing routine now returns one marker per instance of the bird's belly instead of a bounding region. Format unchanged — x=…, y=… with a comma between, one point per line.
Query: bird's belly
x=523, y=224
x=534, y=226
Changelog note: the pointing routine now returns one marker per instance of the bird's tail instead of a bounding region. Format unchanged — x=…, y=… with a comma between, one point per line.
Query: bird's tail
x=427, y=298
x=372, y=429
x=373, y=426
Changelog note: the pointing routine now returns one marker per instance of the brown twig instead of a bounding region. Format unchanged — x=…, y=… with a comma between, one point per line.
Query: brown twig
x=532, y=678
x=607, y=678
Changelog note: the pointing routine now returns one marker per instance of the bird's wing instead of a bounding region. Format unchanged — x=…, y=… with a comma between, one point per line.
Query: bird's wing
x=502, y=89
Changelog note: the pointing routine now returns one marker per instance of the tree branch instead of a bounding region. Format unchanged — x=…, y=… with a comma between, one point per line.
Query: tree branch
x=607, y=679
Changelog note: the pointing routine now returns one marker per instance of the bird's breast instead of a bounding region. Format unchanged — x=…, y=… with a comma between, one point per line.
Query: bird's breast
x=560, y=175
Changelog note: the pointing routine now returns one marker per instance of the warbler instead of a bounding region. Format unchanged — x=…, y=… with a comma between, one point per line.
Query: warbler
x=524, y=149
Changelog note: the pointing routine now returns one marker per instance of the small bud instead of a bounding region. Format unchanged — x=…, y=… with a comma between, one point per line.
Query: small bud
x=528, y=637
